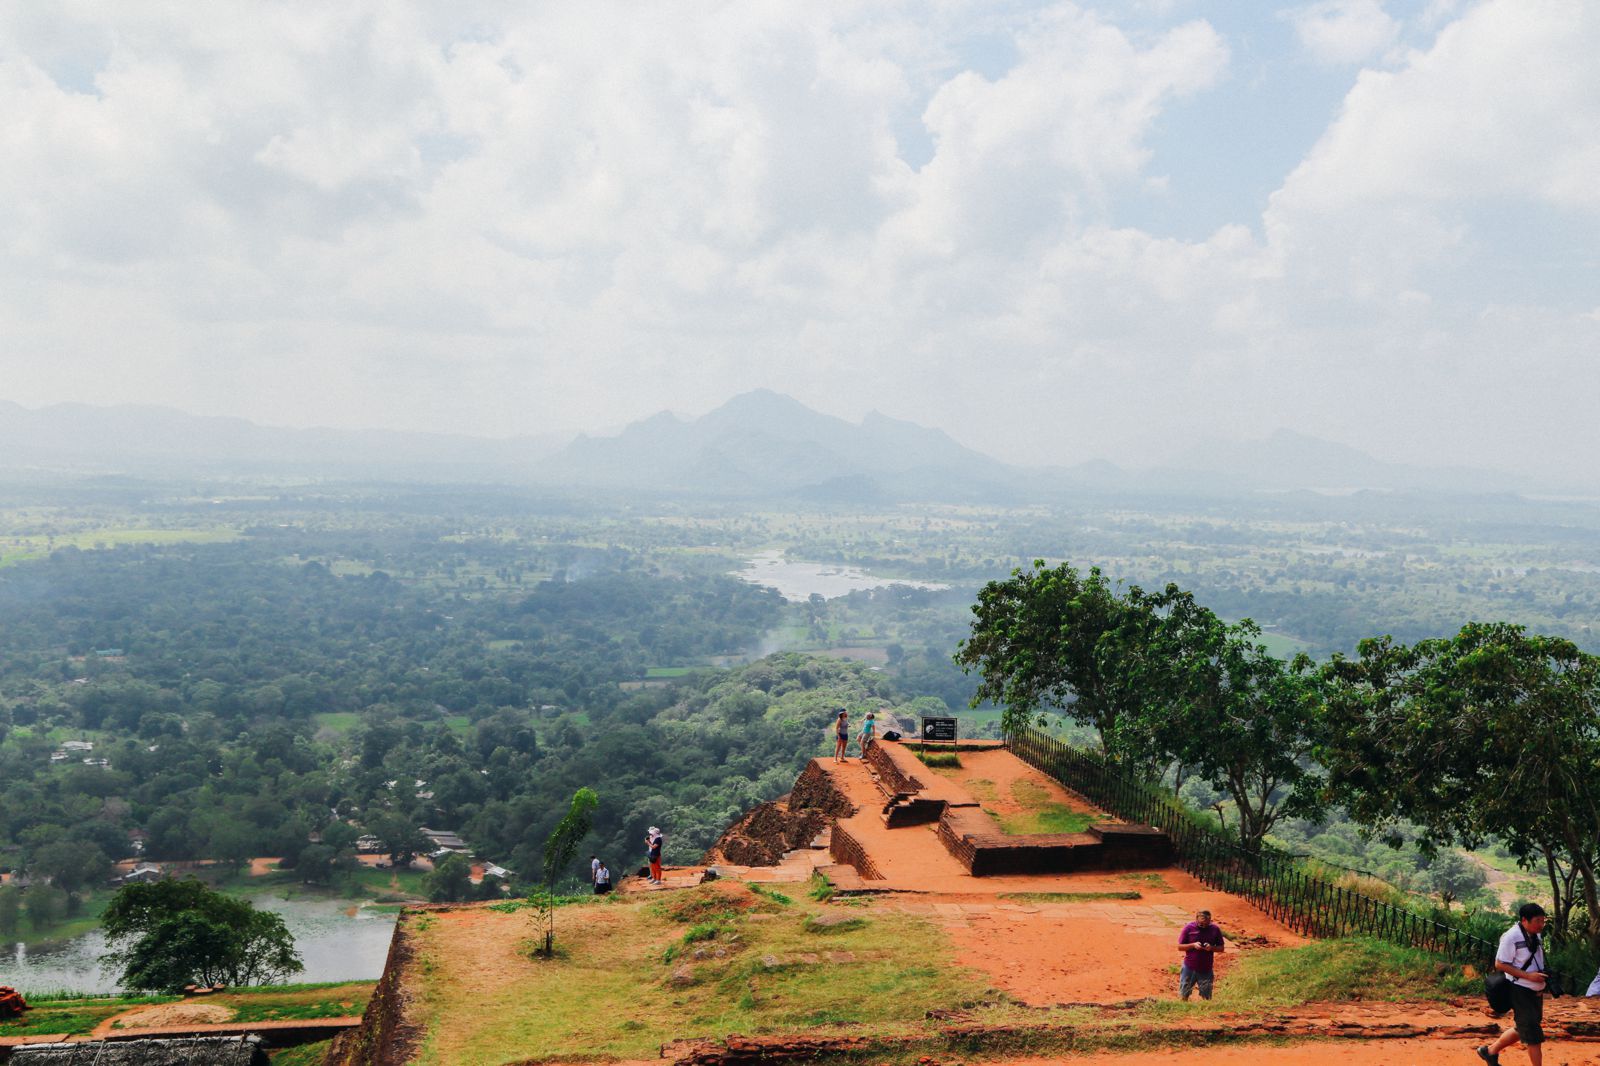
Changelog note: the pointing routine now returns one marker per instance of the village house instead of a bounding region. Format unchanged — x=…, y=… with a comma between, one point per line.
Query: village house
x=445, y=842
x=142, y=874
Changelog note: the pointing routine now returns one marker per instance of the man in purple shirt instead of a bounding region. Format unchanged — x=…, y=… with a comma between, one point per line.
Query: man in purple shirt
x=1200, y=941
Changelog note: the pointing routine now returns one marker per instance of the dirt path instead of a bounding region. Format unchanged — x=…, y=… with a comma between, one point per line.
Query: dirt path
x=1316, y=1053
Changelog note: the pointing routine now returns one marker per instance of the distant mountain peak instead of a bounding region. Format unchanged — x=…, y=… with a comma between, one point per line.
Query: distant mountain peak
x=764, y=442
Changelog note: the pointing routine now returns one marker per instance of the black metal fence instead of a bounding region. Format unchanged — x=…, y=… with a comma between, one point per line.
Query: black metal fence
x=1276, y=882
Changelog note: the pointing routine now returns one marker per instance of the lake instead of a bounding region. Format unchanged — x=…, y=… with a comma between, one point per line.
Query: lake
x=798, y=581
x=334, y=944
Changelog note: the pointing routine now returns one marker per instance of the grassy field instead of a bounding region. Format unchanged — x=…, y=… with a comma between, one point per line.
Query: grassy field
x=716, y=960
x=21, y=549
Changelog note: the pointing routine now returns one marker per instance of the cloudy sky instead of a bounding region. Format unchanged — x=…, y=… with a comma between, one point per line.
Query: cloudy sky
x=1058, y=231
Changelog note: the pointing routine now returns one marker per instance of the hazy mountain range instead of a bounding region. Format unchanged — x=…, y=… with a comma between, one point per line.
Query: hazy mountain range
x=160, y=440
x=758, y=444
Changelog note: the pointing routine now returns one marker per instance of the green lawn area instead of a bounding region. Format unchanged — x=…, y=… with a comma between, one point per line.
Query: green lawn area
x=1041, y=813
x=1282, y=645
x=668, y=671
x=381, y=882
x=292, y=1002
x=337, y=722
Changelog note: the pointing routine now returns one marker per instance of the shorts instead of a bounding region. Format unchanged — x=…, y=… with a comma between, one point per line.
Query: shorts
x=1527, y=1012
x=602, y=887
x=1189, y=980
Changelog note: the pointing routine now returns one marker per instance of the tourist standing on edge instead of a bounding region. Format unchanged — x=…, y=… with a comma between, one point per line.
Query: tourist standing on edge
x=841, y=735
x=594, y=869
x=1200, y=942
x=602, y=879
x=653, y=842
x=1521, y=959
x=869, y=729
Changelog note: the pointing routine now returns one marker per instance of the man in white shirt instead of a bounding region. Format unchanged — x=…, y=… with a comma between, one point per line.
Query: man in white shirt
x=1521, y=958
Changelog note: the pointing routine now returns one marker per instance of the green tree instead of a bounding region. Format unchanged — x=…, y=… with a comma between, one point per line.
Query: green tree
x=316, y=864
x=451, y=880
x=1052, y=640
x=47, y=905
x=401, y=838
x=559, y=850
x=70, y=864
x=1220, y=706
x=167, y=934
x=1490, y=734
x=1450, y=875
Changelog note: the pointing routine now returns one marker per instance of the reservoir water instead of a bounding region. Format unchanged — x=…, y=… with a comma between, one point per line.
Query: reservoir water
x=798, y=581
x=334, y=943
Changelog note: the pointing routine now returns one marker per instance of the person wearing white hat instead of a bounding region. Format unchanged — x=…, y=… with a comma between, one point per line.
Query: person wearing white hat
x=653, y=842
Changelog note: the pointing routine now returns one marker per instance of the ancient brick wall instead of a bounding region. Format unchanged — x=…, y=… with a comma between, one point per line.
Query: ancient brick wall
x=386, y=1037
x=814, y=789
x=1104, y=847
x=894, y=780
x=847, y=849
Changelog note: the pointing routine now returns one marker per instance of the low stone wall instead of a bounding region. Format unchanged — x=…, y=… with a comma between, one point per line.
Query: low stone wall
x=847, y=849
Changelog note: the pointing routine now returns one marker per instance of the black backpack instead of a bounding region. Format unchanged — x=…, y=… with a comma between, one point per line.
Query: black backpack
x=1497, y=986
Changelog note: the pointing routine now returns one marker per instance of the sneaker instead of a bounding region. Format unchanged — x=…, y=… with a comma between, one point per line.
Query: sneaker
x=1488, y=1056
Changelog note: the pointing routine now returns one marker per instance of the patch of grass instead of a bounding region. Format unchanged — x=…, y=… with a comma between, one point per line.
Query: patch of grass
x=1350, y=968
x=849, y=925
x=1148, y=880
x=291, y=1002
x=819, y=889
x=766, y=893
x=667, y=671
x=1068, y=897
x=983, y=790
x=339, y=723
x=1041, y=813
x=940, y=760
x=705, y=931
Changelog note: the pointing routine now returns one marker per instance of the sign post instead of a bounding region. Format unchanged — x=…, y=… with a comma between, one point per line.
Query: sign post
x=939, y=729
